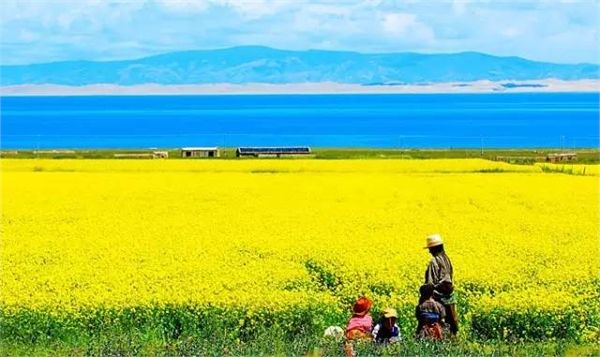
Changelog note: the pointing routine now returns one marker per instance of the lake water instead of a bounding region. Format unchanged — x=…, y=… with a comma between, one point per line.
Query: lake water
x=404, y=120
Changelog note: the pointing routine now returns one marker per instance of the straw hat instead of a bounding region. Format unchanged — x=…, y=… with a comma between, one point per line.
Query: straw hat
x=434, y=240
x=389, y=312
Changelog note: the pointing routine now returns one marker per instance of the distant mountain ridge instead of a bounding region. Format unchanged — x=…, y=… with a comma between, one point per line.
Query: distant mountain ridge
x=257, y=64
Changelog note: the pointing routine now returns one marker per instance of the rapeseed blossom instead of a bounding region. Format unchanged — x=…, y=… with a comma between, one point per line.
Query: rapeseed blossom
x=267, y=235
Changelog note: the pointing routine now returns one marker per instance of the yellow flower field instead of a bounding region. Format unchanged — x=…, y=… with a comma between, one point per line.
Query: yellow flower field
x=269, y=237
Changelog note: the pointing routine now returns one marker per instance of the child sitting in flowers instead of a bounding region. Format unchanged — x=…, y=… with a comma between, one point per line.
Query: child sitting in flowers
x=386, y=330
x=361, y=323
x=430, y=315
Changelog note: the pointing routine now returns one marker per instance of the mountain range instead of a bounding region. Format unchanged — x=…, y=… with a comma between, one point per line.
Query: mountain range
x=257, y=64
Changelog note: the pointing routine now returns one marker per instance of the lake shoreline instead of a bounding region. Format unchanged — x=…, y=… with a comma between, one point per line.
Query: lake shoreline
x=514, y=155
x=321, y=88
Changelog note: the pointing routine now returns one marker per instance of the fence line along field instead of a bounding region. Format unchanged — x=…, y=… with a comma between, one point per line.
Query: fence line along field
x=228, y=248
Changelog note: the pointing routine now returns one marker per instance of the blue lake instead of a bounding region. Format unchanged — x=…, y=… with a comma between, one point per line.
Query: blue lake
x=502, y=120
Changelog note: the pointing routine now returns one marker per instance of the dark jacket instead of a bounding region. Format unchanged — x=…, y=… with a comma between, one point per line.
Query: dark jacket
x=439, y=274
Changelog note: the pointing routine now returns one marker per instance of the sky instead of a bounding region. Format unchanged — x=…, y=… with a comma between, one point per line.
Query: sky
x=54, y=30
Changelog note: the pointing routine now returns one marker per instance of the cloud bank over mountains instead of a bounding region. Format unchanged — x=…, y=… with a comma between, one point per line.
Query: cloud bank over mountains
x=44, y=31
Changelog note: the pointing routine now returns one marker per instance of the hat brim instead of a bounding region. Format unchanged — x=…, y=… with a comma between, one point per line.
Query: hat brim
x=433, y=245
x=387, y=316
x=362, y=313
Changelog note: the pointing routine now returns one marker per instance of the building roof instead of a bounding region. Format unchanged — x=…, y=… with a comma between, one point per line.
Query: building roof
x=200, y=148
x=274, y=149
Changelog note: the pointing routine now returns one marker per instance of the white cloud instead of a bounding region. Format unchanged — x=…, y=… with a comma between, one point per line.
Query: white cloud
x=28, y=36
x=254, y=9
x=398, y=23
x=459, y=7
x=510, y=32
x=249, y=9
x=405, y=24
x=184, y=6
x=46, y=30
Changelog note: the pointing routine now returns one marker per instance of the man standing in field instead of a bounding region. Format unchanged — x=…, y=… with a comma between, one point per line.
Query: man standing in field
x=439, y=274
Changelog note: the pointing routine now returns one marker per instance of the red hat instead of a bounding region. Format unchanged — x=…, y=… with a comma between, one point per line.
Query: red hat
x=361, y=306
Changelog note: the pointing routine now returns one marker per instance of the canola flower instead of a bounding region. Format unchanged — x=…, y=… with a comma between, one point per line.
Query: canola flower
x=278, y=237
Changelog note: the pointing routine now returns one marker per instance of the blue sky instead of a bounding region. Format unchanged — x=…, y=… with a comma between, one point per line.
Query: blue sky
x=43, y=31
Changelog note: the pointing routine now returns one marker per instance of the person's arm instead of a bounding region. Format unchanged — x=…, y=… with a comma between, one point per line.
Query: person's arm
x=450, y=270
x=376, y=331
x=396, y=336
x=419, y=324
x=349, y=324
x=444, y=271
x=442, y=312
x=432, y=274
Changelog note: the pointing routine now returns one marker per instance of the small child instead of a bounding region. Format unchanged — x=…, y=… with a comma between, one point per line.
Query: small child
x=361, y=323
x=430, y=315
x=386, y=330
